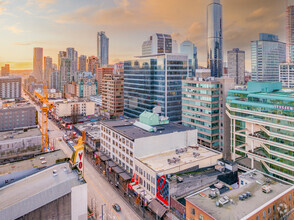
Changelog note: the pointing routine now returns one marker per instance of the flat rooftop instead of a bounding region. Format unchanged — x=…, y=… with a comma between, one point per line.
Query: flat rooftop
x=34, y=162
x=18, y=134
x=91, y=128
x=159, y=162
x=239, y=209
x=37, y=190
x=127, y=128
x=17, y=105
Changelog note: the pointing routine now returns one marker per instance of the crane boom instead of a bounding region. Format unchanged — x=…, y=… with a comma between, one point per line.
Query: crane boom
x=46, y=106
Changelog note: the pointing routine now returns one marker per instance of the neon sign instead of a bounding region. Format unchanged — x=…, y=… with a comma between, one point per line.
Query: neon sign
x=163, y=190
x=284, y=107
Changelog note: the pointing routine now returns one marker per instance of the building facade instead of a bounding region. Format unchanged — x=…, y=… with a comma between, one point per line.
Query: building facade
x=286, y=75
x=214, y=38
x=15, y=116
x=54, y=80
x=5, y=70
x=93, y=64
x=290, y=31
x=38, y=63
x=236, y=65
x=102, y=48
x=187, y=47
x=72, y=54
x=113, y=94
x=67, y=109
x=100, y=73
x=151, y=81
x=262, y=118
x=203, y=108
x=83, y=63
x=158, y=44
x=65, y=73
x=48, y=68
x=10, y=87
x=266, y=55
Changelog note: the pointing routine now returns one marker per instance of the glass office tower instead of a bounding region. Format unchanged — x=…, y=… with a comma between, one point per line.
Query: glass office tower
x=262, y=120
x=102, y=48
x=214, y=38
x=152, y=81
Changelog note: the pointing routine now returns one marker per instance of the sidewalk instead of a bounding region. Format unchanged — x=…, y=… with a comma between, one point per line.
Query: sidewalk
x=144, y=213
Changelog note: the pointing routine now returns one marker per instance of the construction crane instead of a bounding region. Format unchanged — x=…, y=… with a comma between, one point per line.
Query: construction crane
x=46, y=106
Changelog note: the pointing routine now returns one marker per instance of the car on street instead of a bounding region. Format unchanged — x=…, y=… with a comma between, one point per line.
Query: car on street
x=116, y=207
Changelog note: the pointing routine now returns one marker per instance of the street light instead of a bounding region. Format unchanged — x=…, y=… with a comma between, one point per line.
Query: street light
x=102, y=210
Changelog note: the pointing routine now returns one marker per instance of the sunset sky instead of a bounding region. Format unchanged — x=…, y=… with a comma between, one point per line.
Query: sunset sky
x=58, y=24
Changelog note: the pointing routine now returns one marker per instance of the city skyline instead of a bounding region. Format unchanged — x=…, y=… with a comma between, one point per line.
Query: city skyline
x=35, y=23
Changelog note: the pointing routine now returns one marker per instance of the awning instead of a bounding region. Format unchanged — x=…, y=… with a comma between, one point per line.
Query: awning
x=125, y=176
x=104, y=158
x=111, y=163
x=156, y=207
x=117, y=169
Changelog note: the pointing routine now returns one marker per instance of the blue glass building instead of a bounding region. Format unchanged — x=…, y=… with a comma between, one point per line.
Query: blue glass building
x=155, y=80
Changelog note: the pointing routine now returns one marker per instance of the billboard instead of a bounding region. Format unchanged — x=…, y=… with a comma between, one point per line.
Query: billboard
x=162, y=189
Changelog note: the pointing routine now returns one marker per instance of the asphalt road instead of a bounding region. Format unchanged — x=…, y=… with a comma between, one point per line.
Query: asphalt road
x=100, y=192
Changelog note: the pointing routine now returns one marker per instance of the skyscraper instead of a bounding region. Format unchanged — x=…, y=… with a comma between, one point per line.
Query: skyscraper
x=5, y=70
x=82, y=63
x=65, y=72
x=61, y=54
x=214, y=38
x=47, y=70
x=102, y=48
x=38, y=63
x=155, y=80
x=236, y=65
x=266, y=55
x=72, y=54
x=290, y=31
x=187, y=47
x=158, y=44
x=93, y=64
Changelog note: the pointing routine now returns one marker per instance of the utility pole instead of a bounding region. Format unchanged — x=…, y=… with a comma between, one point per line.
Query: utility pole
x=102, y=210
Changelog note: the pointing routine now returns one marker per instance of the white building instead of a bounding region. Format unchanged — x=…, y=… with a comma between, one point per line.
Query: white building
x=123, y=140
x=286, y=75
x=66, y=109
x=158, y=44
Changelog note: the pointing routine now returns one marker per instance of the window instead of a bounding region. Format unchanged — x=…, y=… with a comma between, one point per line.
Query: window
x=274, y=207
x=257, y=217
x=200, y=216
x=192, y=211
x=269, y=210
x=263, y=214
x=289, y=197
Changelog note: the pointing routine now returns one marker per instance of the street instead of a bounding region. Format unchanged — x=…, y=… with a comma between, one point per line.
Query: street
x=100, y=192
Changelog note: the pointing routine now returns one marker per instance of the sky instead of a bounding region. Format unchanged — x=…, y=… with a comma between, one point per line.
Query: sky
x=57, y=24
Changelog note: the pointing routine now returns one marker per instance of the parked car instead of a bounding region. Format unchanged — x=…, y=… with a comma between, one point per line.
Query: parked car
x=116, y=207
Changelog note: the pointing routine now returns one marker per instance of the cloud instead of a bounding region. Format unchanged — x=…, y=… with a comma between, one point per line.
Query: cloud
x=28, y=43
x=257, y=14
x=14, y=29
x=41, y=3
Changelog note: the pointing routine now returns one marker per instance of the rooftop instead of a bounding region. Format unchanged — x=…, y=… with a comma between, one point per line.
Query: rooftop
x=91, y=128
x=127, y=128
x=34, y=162
x=160, y=162
x=37, y=190
x=17, y=105
x=12, y=135
x=238, y=209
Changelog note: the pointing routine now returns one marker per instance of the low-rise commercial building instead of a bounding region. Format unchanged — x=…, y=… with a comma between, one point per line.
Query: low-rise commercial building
x=20, y=142
x=57, y=191
x=10, y=87
x=92, y=133
x=66, y=109
x=262, y=119
x=203, y=108
x=123, y=140
x=18, y=116
x=286, y=75
x=258, y=197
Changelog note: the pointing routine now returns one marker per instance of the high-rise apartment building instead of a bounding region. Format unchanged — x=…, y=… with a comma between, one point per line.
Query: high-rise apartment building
x=54, y=80
x=10, y=87
x=113, y=94
x=215, y=38
x=102, y=48
x=187, y=47
x=38, y=63
x=266, y=55
x=5, y=70
x=236, y=65
x=262, y=133
x=47, y=70
x=72, y=54
x=286, y=75
x=158, y=44
x=290, y=31
x=61, y=54
x=83, y=63
x=100, y=73
x=203, y=108
x=93, y=64
x=65, y=72
x=151, y=81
